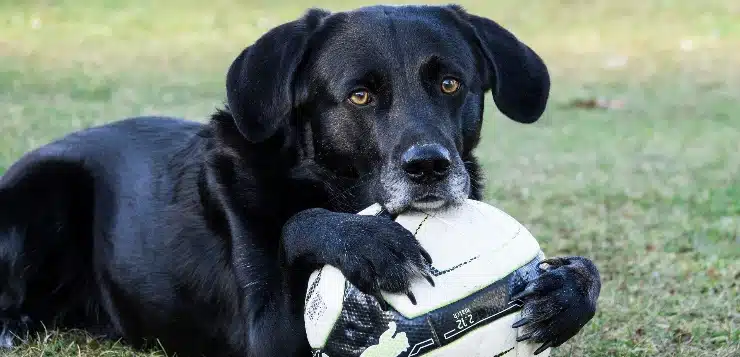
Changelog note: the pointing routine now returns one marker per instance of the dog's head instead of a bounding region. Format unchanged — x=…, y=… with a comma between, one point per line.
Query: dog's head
x=391, y=96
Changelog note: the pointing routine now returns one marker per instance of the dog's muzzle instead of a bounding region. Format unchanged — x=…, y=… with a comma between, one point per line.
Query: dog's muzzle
x=428, y=177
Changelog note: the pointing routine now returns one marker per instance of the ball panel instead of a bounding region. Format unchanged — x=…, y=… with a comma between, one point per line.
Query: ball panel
x=488, y=244
x=488, y=307
x=323, y=305
x=362, y=323
x=496, y=339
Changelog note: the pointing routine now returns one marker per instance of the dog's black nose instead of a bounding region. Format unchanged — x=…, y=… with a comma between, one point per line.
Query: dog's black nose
x=426, y=163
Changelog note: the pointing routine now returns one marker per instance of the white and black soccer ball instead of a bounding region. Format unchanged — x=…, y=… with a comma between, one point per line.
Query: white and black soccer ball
x=481, y=255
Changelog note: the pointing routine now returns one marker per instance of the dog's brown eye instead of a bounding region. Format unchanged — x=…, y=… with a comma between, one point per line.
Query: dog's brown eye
x=360, y=97
x=450, y=85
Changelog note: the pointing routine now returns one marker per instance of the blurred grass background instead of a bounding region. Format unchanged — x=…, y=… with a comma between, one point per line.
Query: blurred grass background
x=647, y=186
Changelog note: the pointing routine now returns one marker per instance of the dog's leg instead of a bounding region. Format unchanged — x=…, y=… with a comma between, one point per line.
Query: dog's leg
x=45, y=247
x=13, y=324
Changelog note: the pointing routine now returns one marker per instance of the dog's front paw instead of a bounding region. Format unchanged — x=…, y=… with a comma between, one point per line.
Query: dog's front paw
x=559, y=302
x=374, y=253
x=380, y=254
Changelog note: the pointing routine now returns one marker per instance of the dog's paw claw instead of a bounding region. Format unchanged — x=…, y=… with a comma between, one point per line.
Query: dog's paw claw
x=521, y=322
x=429, y=279
x=411, y=297
x=542, y=348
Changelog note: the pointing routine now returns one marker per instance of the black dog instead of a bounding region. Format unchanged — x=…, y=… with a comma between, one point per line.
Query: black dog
x=203, y=236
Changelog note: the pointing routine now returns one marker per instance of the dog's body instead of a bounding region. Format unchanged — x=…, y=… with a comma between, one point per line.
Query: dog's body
x=202, y=236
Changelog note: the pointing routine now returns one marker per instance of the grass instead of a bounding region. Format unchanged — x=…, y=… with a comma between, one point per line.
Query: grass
x=651, y=191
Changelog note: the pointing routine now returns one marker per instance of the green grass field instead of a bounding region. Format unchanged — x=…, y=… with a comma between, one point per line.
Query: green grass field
x=650, y=191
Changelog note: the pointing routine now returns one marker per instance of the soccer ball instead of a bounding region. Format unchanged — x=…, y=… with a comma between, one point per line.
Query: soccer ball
x=481, y=257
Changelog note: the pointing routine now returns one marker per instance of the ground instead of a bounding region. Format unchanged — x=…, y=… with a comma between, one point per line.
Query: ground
x=649, y=188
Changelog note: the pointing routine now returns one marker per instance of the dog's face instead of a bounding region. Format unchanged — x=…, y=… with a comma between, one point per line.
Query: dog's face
x=390, y=96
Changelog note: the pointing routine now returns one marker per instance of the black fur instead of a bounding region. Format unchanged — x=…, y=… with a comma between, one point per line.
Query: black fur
x=202, y=236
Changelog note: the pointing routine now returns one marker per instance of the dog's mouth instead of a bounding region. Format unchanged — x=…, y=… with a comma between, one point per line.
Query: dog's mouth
x=429, y=202
x=400, y=195
x=424, y=204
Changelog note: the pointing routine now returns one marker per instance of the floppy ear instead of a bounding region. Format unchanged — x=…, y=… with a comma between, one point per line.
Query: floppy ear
x=259, y=83
x=516, y=75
